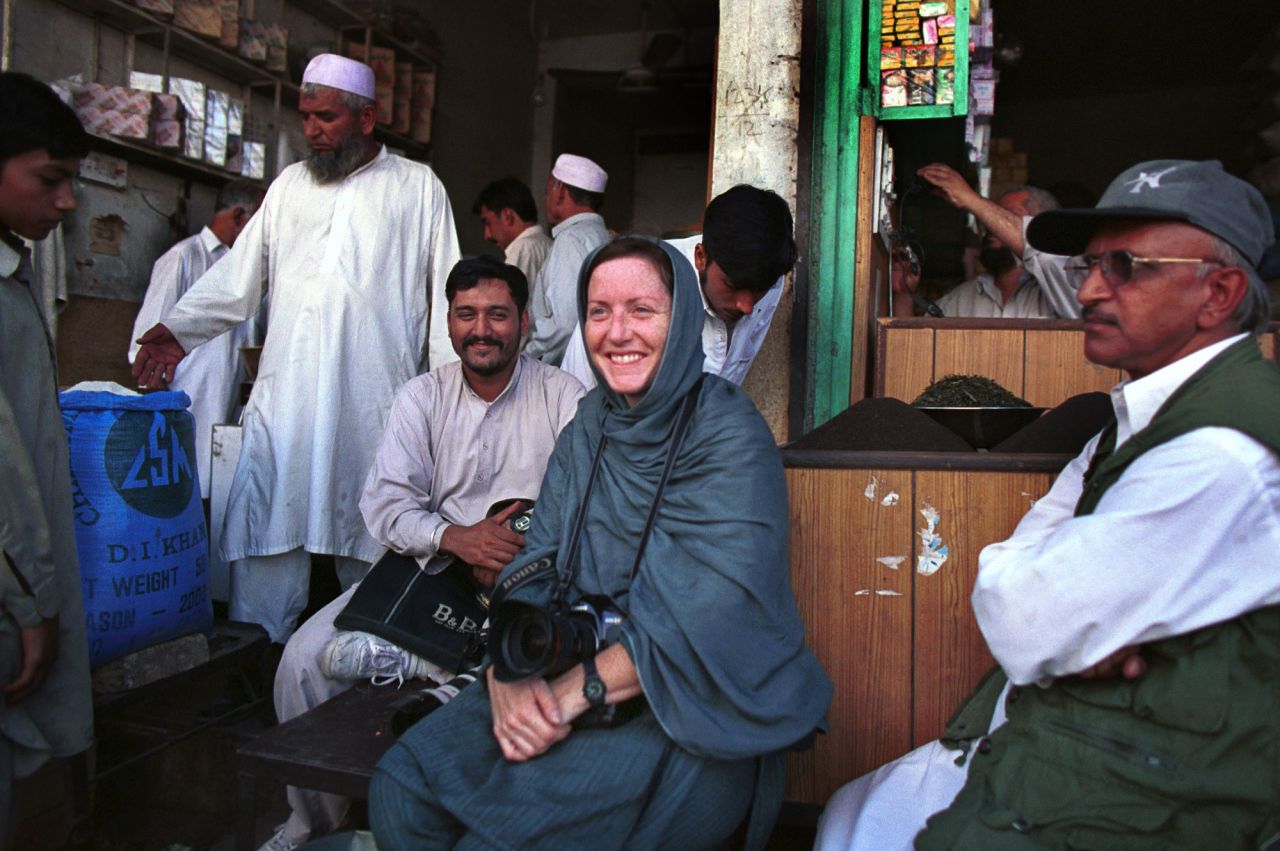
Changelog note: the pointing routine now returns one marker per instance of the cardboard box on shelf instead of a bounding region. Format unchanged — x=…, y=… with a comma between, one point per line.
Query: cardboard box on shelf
x=230, y=10
x=110, y=122
x=192, y=94
x=166, y=108
x=111, y=98
x=203, y=17
x=277, y=36
x=235, y=136
x=159, y=8
x=402, y=122
x=384, y=96
x=381, y=59
x=253, y=40
x=423, y=91
x=404, y=80
x=217, y=112
x=255, y=160
x=166, y=133
x=146, y=82
x=420, y=123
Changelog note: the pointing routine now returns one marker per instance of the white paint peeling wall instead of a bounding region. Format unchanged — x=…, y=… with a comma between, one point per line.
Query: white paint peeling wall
x=756, y=124
x=758, y=95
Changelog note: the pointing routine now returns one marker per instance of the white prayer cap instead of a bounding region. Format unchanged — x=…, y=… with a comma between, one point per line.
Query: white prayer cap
x=580, y=172
x=339, y=72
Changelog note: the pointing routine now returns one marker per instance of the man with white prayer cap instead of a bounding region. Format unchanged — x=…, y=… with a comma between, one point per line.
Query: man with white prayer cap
x=575, y=192
x=354, y=245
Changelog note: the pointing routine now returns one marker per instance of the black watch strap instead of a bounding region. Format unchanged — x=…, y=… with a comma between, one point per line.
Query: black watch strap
x=592, y=686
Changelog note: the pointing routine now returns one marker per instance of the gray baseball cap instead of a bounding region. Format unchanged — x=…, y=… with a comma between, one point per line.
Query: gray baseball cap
x=1198, y=193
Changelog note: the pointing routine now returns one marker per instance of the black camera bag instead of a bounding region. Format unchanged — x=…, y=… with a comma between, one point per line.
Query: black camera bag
x=438, y=616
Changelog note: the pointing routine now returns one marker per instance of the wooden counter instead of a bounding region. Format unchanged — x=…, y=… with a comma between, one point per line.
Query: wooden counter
x=1041, y=360
x=901, y=647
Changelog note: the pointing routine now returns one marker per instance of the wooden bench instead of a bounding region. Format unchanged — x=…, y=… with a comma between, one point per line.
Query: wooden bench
x=333, y=748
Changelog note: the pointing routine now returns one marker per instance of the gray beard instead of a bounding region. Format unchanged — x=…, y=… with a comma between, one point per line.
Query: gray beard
x=334, y=166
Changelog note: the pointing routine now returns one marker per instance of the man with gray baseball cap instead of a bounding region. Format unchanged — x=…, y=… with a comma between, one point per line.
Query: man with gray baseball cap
x=1135, y=611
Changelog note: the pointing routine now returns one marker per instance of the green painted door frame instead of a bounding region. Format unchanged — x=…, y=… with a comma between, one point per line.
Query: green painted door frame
x=840, y=101
x=833, y=208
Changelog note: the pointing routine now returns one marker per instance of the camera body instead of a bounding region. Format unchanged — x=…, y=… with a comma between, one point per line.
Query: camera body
x=531, y=641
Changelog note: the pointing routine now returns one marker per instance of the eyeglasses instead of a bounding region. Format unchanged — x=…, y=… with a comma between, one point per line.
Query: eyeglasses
x=1119, y=266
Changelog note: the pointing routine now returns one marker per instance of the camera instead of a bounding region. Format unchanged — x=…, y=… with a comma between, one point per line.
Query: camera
x=530, y=641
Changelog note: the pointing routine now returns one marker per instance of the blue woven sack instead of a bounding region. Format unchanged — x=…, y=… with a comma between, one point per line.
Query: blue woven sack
x=140, y=528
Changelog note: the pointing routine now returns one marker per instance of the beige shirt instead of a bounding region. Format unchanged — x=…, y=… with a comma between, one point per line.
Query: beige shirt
x=982, y=298
x=447, y=455
x=528, y=251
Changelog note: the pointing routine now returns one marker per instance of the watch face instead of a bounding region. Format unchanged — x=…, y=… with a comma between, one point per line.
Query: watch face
x=593, y=690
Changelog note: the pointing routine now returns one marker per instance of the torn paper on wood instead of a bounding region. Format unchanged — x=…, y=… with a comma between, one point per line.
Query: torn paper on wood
x=933, y=551
x=892, y=562
x=870, y=492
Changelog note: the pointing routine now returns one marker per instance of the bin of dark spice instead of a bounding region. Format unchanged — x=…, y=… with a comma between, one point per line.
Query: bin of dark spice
x=976, y=408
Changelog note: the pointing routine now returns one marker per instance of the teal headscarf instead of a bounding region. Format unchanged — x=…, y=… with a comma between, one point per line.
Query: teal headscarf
x=712, y=624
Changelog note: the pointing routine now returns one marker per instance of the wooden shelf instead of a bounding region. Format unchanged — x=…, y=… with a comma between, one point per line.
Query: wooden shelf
x=184, y=43
x=179, y=166
x=330, y=13
x=404, y=53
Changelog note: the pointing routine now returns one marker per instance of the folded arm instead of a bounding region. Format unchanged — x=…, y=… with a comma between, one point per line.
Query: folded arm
x=1185, y=539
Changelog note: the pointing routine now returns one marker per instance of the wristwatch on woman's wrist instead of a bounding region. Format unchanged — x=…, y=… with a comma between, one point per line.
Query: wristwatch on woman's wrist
x=592, y=686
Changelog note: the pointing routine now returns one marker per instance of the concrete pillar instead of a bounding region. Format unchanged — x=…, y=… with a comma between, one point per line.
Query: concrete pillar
x=756, y=122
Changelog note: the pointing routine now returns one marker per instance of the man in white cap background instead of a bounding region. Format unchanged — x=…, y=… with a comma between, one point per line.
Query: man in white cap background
x=1135, y=610
x=575, y=191
x=354, y=245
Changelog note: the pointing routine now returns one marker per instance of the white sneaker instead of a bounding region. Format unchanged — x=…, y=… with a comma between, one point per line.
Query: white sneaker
x=279, y=842
x=356, y=655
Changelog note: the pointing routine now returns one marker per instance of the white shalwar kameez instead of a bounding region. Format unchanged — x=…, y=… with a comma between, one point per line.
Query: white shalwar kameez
x=355, y=270
x=212, y=373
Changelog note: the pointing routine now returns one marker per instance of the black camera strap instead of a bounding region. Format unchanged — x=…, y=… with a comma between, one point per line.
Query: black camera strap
x=677, y=440
x=565, y=575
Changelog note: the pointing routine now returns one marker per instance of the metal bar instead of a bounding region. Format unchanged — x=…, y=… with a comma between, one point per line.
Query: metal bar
x=164, y=61
x=6, y=36
x=95, y=49
x=130, y=54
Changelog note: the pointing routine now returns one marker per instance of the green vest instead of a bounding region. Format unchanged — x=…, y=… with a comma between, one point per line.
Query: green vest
x=1186, y=756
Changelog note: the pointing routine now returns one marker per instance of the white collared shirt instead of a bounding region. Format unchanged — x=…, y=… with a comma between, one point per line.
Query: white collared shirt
x=1186, y=538
x=981, y=298
x=528, y=251
x=553, y=297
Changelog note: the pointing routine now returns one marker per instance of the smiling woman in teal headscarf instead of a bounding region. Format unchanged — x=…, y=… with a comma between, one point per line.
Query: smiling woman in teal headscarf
x=711, y=638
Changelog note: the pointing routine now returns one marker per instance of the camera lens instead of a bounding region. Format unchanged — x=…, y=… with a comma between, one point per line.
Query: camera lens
x=524, y=644
x=534, y=640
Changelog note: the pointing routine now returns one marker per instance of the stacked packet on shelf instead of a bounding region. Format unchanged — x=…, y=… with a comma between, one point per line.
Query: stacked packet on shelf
x=113, y=110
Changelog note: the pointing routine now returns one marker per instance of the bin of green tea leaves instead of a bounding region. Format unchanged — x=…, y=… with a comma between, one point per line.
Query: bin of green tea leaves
x=976, y=408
